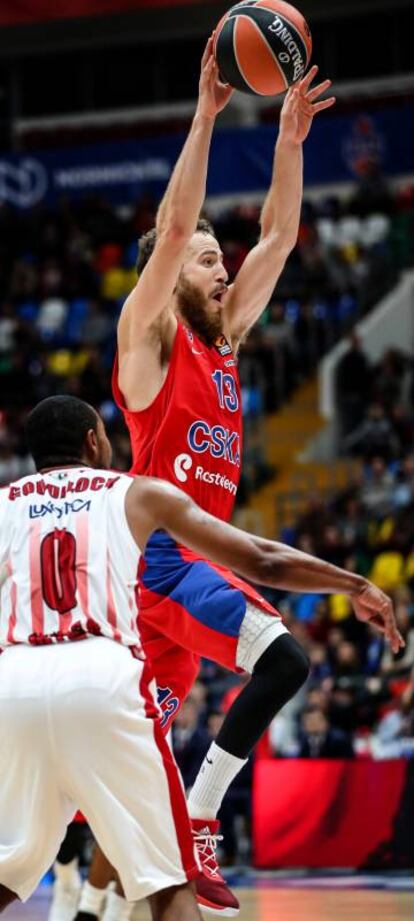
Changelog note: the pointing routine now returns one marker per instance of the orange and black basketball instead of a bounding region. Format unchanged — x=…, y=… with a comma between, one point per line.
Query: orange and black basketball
x=262, y=46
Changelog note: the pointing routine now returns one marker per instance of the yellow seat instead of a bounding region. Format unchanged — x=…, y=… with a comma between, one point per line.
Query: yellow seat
x=388, y=571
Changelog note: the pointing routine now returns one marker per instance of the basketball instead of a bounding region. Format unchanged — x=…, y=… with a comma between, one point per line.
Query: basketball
x=262, y=46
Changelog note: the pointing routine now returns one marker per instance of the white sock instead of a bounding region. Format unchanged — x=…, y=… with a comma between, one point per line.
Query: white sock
x=68, y=874
x=91, y=899
x=117, y=908
x=217, y=771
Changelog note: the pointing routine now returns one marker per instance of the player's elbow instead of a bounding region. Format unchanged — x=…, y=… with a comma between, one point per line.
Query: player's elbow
x=271, y=565
x=172, y=234
x=279, y=245
x=259, y=565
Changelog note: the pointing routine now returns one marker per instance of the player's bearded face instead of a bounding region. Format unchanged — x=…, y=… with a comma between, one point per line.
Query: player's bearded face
x=194, y=308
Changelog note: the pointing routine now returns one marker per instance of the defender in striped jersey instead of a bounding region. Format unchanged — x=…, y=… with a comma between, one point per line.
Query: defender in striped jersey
x=78, y=719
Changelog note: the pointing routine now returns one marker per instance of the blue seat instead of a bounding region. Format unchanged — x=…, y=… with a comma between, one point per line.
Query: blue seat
x=28, y=310
x=77, y=313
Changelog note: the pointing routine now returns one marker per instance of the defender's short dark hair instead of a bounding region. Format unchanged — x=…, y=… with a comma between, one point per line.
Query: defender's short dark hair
x=146, y=243
x=56, y=430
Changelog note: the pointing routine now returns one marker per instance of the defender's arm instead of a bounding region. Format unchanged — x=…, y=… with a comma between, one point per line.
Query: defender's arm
x=153, y=504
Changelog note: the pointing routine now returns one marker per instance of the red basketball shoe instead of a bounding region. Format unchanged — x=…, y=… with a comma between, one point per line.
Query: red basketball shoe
x=213, y=894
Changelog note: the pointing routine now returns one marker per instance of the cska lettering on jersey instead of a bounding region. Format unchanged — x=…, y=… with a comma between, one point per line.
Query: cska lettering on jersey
x=217, y=440
x=30, y=487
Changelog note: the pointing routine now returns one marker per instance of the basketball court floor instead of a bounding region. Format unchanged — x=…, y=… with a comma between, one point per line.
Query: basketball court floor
x=272, y=897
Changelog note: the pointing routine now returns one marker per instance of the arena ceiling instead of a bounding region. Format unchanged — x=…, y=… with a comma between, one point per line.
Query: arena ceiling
x=34, y=26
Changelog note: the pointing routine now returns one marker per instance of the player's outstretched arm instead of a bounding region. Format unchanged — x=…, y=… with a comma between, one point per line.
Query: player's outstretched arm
x=153, y=504
x=176, y=221
x=280, y=217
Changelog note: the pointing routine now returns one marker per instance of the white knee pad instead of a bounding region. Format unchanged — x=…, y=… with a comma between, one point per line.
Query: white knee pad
x=257, y=632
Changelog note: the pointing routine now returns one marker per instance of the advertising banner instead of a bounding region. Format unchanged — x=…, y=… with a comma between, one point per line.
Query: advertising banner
x=240, y=162
x=317, y=814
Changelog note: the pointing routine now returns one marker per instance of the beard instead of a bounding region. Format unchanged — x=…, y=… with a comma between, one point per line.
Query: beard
x=192, y=306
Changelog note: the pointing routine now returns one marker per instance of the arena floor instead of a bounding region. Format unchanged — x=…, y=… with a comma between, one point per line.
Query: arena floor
x=267, y=897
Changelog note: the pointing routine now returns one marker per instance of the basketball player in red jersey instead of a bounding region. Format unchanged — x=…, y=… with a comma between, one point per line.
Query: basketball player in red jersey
x=176, y=381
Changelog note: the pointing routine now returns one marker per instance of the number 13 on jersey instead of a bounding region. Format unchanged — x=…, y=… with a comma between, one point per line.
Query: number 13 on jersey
x=226, y=391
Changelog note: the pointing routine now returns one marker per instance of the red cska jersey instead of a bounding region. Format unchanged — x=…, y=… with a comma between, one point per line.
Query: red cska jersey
x=191, y=434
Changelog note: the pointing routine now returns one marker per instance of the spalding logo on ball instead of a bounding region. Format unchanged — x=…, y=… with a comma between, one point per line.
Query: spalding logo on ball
x=262, y=46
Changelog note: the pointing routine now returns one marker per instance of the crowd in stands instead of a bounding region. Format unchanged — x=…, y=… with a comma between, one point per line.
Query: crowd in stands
x=64, y=275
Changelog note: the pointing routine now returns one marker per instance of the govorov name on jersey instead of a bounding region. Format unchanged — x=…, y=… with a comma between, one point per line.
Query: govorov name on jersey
x=57, y=491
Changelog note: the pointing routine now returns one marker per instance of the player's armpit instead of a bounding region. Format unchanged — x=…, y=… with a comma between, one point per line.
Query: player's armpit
x=142, y=368
x=153, y=504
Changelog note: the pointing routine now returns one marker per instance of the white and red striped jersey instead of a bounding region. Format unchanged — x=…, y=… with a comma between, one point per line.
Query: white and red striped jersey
x=68, y=561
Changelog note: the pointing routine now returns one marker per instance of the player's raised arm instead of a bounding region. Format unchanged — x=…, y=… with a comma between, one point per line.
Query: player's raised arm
x=259, y=274
x=153, y=504
x=176, y=222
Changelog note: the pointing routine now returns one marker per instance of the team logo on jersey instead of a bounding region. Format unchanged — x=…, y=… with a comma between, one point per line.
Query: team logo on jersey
x=216, y=440
x=215, y=479
x=78, y=505
x=182, y=463
x=222, y=346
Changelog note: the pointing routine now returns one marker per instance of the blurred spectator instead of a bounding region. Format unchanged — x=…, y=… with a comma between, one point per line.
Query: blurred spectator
x=394, y=734
x=404, y=487
x=97, y=326
x=318, y=739
x=347, y=661
x=8, y=328
x=374, y=437
x=352, y=383
x=378, y=488
x=319, y=663
x=51, y=317
x=388, y=378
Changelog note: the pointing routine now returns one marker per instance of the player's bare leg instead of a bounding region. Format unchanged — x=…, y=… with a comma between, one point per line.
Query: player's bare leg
x=95, y=893
x=117, y=908
x=175, y=904
x=100, y=874
x=7, y=897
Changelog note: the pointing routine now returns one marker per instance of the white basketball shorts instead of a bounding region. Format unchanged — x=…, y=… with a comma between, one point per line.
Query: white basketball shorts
x=76, y=731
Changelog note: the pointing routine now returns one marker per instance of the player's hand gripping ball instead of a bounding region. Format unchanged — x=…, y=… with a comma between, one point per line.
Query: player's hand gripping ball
x=262, y=46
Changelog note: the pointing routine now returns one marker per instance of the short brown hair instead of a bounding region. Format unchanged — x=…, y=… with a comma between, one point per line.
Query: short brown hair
x=146, y=243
